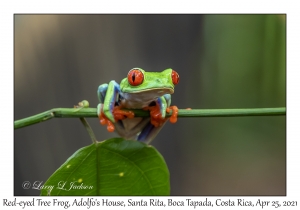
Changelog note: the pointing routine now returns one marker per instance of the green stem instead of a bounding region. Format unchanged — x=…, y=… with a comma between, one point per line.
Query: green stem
x=89, y=129
x=92, y=112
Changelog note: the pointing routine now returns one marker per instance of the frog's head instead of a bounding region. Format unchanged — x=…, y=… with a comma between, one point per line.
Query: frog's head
x=149, y=84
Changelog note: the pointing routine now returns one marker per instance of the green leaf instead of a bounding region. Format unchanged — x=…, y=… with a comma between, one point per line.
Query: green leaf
x=112, y=167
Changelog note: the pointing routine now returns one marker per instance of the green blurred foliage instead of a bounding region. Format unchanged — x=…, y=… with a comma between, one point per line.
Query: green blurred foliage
x=242, y=64
x=245, y=55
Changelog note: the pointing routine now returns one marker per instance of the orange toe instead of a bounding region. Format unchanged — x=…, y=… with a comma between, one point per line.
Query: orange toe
x=173, y=118
x=121, y=114
x=118, y=115
x=155, y=115
x=105, y=121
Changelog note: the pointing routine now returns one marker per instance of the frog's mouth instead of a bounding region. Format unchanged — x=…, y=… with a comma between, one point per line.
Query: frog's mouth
x=157, y=91
x=147, y=94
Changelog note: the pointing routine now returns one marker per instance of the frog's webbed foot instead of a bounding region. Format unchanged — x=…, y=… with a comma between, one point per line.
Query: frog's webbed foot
x=159, y=109
x=173, y=118
x=156, y=117
x=103, y=119
x=117, y=113
x=121, y=114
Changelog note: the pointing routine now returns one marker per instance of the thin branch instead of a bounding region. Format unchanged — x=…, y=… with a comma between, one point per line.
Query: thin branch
x=92, y=112
x=89, y=129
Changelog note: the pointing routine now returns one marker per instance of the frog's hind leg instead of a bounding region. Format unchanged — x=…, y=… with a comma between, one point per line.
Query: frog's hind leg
x=130, y=128
x=148, y=133
x=137, y=128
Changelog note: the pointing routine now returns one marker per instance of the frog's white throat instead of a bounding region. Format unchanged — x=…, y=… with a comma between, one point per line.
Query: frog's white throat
x=140, y=99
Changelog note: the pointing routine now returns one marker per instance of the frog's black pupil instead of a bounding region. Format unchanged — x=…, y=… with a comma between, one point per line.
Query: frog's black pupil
x=133, y=76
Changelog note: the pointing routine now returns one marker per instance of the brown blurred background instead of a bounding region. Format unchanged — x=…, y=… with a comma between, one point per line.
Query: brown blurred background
x=224, y=61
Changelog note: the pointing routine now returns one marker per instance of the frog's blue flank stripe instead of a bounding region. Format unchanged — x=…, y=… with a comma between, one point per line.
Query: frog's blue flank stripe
x=145, y=132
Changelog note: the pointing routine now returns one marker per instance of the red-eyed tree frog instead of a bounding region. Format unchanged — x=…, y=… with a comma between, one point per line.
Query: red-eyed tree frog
x=140, y=90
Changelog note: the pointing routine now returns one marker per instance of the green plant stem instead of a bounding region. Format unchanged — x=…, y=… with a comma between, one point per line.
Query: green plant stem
x=89, y=129
x=92, y=112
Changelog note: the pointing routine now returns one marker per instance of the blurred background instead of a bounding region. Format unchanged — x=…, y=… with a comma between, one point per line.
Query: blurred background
x=224, y=61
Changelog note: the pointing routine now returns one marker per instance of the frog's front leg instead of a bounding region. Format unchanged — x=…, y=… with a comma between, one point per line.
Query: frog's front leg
x=108, y=109
x=159, y=109
x=101, y=92
x=108, y=95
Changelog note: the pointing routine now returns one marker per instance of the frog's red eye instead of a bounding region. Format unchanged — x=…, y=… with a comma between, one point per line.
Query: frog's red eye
x=175, y=77
x=135, y=77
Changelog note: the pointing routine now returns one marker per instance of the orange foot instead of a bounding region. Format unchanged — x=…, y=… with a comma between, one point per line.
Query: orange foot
x=156, y=116
x=173, y=118
x=105, y=121
x=118, y=115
